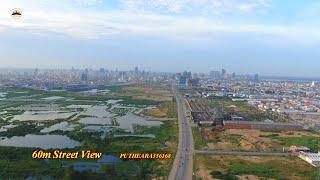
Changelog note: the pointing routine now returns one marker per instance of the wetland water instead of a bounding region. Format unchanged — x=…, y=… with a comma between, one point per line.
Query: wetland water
x=95, y=118
x=63, y=126
x=98, y=116
x=40, y=141
x=128, y=121
x=52, y=98
x=42, y=115
x=102, y=117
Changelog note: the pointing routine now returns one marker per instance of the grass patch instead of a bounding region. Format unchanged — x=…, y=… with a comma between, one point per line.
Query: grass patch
x=199, y=142
x=311, y=142
x=228, y=167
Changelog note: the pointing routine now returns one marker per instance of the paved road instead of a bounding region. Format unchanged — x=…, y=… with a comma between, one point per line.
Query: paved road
x=182, y=168
x=240, y=153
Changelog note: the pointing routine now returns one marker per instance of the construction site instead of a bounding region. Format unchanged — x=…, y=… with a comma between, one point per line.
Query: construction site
x=205, y=114
x=201, y=112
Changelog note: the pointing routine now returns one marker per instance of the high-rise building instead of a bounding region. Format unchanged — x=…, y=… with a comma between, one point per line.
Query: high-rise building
x=187, y=74
x=184, y=79
x=85, y=75
x=136, y=72
x=178, y=76
x=194, y=76
x=215, y=75
x=224, y=74
x=234, y=75
x=36, y=72
x=102, y=70
x=256, y=78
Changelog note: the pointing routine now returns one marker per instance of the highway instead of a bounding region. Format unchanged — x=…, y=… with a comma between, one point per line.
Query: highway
x=182, y=167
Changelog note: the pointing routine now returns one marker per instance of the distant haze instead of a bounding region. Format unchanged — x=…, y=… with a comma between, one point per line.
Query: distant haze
x=244, y=36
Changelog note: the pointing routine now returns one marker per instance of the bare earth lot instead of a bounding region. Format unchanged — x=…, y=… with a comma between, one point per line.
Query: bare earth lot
x=256, y=140
x=230, y=167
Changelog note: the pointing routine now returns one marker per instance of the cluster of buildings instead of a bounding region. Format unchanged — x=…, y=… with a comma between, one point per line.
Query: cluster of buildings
x=205, y=115
x=187, y=80
x=70, y=78
x=287, y=97
x=297, y=99
x=224, y=75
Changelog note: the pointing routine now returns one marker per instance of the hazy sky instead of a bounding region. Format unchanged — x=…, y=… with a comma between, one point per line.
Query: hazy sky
x=279, y=37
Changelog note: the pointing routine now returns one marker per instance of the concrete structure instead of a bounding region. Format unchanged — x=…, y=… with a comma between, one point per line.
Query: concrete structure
x=311, y=158
x=263, y=125
x=206, y=123
x=295, y=149
x=237, y=118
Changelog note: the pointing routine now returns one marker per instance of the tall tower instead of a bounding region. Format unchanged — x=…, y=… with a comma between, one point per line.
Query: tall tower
x=256, y=78
x=224, y=74
x=215, y=75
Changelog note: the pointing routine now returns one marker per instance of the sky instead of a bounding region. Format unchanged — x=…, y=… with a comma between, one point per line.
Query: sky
x=270, y=37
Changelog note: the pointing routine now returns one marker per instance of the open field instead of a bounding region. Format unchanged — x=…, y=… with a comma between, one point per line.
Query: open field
x=237, y=167
x=166, y=109
x=254, y=140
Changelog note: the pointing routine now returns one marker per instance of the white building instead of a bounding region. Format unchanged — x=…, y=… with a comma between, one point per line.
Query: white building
x=311, y=158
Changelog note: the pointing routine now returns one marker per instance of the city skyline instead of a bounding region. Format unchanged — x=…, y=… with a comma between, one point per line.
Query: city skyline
x=230, y=74
x=159, y=89
x=244, y=36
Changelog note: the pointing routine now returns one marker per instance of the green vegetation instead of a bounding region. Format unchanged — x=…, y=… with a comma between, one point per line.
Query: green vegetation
x=128, y=100
x=20, y=158
x=21, y=130
x=9, y=114
x=220, y=175
x=63, y=103
x=120, y=111
x=166, y=133
x=228, y=167
x=270, y=135
x=235, y=138
x=116, y=88
x=172, y=111
x=16, y=163
x=114, y=122
x=309, y=141
x=199, y=142
x=166, y=109
x=244, y=167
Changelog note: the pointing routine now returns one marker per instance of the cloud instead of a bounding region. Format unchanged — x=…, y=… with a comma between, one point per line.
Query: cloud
x=260, y=4
x=86, y=23
x=88, y=2
x=196, y=6
x=97, y=25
